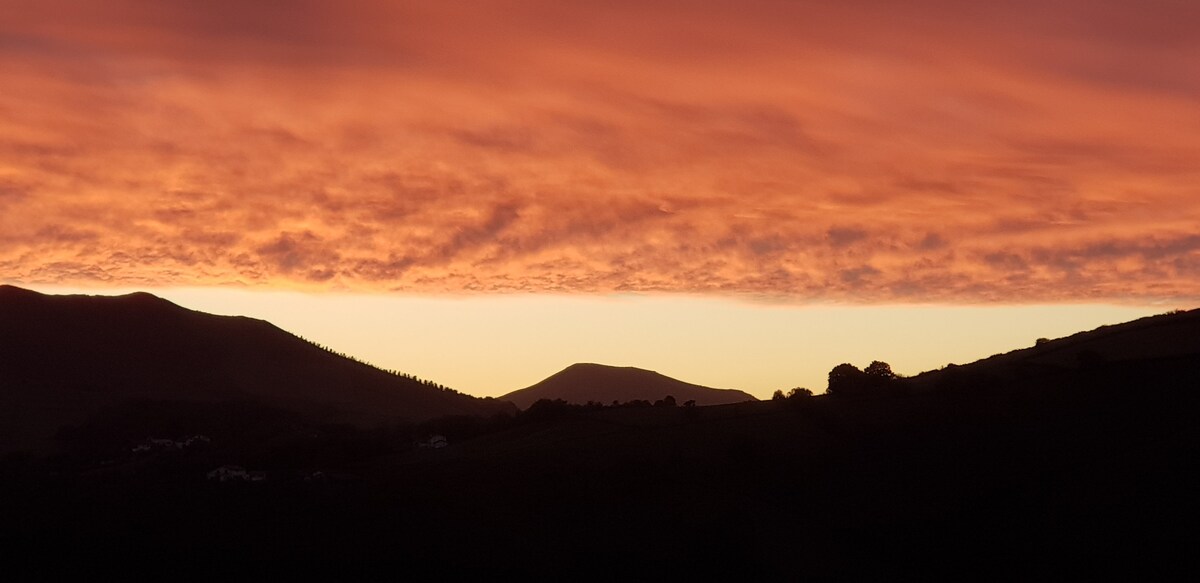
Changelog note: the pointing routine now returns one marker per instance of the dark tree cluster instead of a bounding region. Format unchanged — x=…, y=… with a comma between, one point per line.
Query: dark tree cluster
x=545, y=409
x=794, y=394
x=847, y=380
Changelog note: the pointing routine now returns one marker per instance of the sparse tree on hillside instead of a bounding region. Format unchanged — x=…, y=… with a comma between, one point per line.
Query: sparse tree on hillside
x=846, y=380
x=879, y=370
x=799, y=393
x=877, y=379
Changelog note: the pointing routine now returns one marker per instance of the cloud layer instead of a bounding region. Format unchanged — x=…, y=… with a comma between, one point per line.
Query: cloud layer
x=861, y=151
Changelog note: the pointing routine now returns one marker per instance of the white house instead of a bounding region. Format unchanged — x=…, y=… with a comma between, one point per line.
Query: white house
x=435, y=441
x=236, y=474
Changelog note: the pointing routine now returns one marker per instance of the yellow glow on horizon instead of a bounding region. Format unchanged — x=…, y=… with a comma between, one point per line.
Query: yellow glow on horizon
x=491, y=345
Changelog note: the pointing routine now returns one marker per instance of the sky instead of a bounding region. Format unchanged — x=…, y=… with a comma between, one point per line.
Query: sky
x=928, y=158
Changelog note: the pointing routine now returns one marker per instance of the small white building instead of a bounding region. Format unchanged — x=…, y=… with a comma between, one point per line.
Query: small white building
x=435, y=441
x=236, y=474
x=158, y=444
x=229, y=474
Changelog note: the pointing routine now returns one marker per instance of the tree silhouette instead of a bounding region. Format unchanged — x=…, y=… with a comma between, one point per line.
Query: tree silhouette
x=799, y=393
x=881, y=380
x=846, y=380
x=879, y=371
x=877, y=379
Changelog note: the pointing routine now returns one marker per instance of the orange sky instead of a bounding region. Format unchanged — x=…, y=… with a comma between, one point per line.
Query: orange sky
x=855, y=151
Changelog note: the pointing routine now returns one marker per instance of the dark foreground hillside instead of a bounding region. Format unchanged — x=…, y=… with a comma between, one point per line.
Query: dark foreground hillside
x=1079, y=470
x=66, y=361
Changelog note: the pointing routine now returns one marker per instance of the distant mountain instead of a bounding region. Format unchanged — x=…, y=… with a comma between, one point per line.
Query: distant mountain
x=64, y=359
x=583, y=382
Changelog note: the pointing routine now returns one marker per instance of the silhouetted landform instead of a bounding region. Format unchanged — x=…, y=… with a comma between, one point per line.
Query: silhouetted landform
x=598, y=383
x=66, y=359
x=1165, y=336
x=1045, y=463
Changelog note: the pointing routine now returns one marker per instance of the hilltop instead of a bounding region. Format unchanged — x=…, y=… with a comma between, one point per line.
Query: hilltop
x=584, y=382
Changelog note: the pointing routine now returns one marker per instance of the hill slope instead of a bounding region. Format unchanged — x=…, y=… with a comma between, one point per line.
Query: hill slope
x=1166, y=336
x=65, y=358
x=583, y=382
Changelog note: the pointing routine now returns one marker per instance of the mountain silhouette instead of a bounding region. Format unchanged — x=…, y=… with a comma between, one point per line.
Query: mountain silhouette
x=583, y=382
x=66, y=358
x=1169, y=336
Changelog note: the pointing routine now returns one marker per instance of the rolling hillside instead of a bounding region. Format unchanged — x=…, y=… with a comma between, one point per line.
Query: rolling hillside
x=1169, y=336
x=66, y=358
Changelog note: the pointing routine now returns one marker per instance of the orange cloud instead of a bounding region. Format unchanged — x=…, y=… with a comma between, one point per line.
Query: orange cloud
x=857, y=152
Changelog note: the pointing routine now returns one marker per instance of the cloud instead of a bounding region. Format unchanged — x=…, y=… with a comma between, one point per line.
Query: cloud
x=846, y=152
x=931, y=242
x=845, y=236
x=292, y=252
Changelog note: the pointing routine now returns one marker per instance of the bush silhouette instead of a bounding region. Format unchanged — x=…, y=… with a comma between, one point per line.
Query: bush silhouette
x=846, y=380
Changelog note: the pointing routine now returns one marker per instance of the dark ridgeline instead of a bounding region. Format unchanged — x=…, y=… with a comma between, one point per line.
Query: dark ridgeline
x=66, y=359
x=1076, y=455
x=586, y=382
